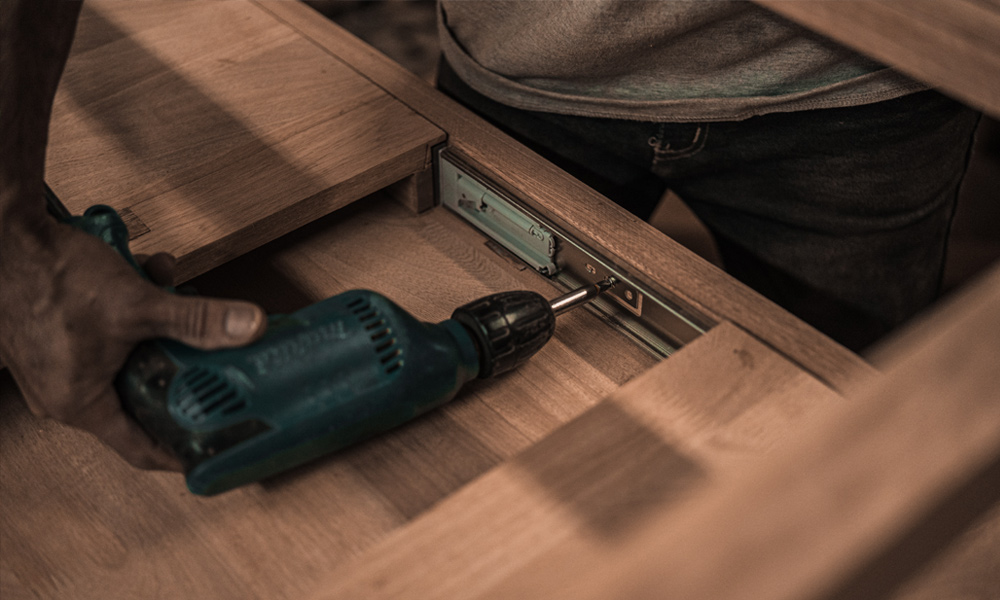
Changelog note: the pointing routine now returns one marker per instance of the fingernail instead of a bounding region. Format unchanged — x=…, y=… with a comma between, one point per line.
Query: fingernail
x=241, y=321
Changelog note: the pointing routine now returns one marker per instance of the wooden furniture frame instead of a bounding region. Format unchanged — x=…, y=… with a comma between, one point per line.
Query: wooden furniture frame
x=762, y=460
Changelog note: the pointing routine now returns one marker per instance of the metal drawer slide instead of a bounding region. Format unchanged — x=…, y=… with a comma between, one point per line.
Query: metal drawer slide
x=657, y=323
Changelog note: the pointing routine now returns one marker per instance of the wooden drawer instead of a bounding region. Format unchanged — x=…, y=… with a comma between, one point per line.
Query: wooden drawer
x=256, y=141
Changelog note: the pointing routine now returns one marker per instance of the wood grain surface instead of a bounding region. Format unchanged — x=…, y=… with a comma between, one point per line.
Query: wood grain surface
x=657, y=444
x=530, y=485
x=79, y=523
x=217, y=128
x=850, y=505
x=953, y=45
x=585, y=473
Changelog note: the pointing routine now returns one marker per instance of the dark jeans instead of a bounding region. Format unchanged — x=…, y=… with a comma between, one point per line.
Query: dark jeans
x=839, y=215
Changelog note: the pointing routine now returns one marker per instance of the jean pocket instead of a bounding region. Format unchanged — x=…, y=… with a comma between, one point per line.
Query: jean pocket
x=674, y=142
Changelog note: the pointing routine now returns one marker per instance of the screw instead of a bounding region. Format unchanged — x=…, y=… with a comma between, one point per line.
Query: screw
x=629, y=295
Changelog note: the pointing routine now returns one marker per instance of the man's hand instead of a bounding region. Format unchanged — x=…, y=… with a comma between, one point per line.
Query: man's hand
x=71, y=311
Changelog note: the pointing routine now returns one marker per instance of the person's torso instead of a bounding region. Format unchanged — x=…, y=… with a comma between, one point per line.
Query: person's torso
x=654, y=59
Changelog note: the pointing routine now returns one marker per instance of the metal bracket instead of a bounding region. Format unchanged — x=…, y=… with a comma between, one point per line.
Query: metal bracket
x=659, y=324
x=486, y=209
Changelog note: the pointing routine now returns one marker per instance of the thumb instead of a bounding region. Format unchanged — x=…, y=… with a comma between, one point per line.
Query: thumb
x=205, y=323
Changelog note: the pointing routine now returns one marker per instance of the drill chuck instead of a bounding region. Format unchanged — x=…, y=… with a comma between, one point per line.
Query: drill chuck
x=508, y=328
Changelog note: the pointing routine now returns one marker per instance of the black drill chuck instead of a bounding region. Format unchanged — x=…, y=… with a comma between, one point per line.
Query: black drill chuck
x=508, y=328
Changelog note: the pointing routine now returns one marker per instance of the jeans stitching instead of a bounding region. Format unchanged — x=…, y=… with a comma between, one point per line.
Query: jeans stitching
x=662, y=151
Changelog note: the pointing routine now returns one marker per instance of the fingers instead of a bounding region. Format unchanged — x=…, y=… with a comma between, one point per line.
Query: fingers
x=160, y=267
x=205, y=323
x=105, y=419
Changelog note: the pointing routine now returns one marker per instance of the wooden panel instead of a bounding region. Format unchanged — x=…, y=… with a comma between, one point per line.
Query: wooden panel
x=969, y=568
x=654, y=446
x=953, y=45
x=416, y=192
x=219, y=128
x=489, y=495
x=79, y=523
x=849, y=506
x=639, y=249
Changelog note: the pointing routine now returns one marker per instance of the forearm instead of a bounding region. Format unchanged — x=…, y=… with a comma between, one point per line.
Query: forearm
x=35, y=38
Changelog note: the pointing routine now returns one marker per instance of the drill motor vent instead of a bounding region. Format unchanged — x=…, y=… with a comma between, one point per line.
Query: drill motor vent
x=387, y=348
x=201, y=392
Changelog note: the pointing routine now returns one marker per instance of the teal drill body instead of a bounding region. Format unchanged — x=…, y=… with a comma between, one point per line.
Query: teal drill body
x=327, y=376
x=320, y=379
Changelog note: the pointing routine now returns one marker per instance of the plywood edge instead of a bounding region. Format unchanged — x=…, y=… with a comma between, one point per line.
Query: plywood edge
x=672, y=270
x=286, y=219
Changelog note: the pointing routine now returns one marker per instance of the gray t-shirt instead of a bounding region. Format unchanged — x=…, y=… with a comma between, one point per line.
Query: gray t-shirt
x=654, y=60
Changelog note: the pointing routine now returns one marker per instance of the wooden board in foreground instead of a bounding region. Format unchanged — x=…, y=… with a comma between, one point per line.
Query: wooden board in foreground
x=655, y=446
x=215, y=128
x=850, y=505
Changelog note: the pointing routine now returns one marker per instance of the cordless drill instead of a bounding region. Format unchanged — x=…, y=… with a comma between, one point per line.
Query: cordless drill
x=332, y=374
